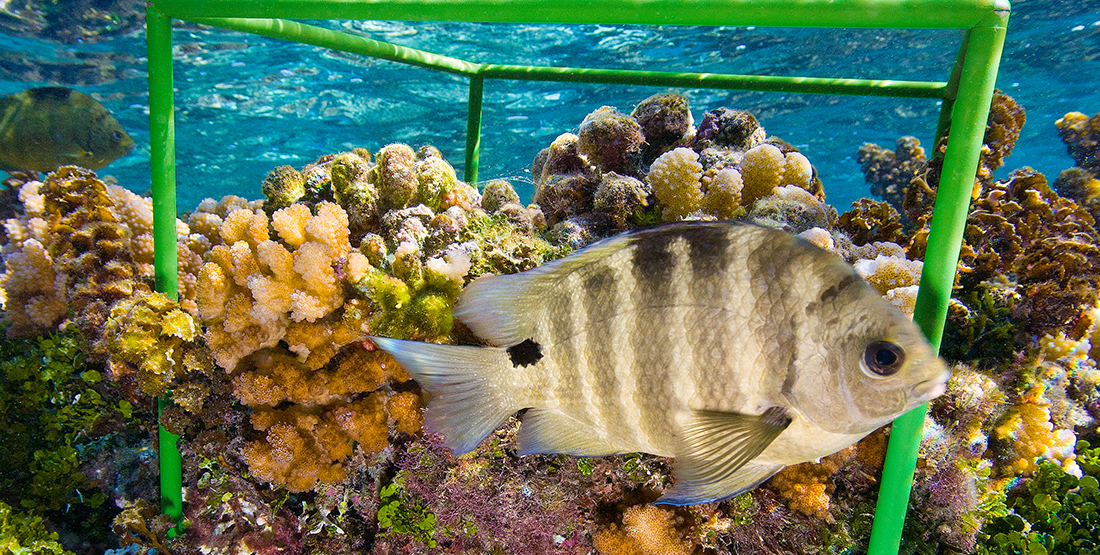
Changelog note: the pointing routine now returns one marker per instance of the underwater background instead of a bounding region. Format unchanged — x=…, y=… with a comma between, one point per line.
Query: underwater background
x=246, y=104
x=334, y=209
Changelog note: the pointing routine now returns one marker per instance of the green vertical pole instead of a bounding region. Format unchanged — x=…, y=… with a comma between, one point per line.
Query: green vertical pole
x=968, y=121
x=162, y=147
x=473, y=127
x=951, y=93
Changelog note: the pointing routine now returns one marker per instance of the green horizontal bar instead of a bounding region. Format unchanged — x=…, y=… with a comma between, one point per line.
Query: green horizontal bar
x=866, y=87
x=901, y=14
x=344, y=42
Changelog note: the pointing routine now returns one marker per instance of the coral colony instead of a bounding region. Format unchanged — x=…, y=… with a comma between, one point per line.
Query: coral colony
x=300, y=437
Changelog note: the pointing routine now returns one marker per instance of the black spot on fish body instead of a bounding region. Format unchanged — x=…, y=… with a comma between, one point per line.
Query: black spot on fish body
x=525, y=353
x=776, y=417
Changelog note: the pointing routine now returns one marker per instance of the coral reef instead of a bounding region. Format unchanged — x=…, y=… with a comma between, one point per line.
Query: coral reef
x=300, y=437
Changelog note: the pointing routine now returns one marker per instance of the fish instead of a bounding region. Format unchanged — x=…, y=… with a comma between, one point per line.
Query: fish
x=44, y=128
x=733, y=348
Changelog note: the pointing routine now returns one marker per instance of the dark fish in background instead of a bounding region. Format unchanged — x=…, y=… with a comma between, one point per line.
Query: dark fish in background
x=45, y=128
x=736, y=349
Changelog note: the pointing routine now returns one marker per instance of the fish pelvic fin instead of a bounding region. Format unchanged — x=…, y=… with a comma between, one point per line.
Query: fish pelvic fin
x=470, y=394
x=715, y=460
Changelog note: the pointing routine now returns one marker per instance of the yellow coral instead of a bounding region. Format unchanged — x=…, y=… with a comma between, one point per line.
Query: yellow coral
x=252, y=289
x=304, y=446
x=675, y=177
x=1032, y=435
x=797, y=171
x=723, y=197
x=762, y=169
x=35, y=295
x=889, y=272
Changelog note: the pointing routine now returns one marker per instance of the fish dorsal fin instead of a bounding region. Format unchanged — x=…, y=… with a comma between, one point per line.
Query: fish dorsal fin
x=717, y=449
x=549, y=431
x=499, y=308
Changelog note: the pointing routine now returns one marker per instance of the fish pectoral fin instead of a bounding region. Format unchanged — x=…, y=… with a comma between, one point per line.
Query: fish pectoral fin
x=717, y=447
x=73, y=153
x=550, y=431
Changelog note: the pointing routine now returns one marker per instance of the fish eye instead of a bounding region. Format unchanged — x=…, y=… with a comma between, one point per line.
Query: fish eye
x=883, y=358
x=116, y=135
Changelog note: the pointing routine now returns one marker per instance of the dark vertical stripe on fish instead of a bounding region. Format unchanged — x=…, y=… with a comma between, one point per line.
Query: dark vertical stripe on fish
x=651, y=265
x=567, y=355
x=599, y=304
x=653, y=269
x=709, y=248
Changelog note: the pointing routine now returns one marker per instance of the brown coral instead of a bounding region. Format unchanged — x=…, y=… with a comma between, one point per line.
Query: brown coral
x=1082, y=137
x=889, y=172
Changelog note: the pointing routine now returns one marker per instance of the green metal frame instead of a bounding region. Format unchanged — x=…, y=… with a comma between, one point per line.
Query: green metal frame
x=966, y=98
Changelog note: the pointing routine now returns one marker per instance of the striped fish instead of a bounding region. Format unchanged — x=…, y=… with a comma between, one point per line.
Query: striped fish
x=734, y=348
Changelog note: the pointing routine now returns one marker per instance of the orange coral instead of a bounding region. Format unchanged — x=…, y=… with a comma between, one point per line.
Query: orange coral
x=646, y=530
x=307, y=445
x=274, y=377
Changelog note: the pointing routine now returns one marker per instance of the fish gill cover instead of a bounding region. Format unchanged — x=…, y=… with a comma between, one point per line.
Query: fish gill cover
x=298, y=436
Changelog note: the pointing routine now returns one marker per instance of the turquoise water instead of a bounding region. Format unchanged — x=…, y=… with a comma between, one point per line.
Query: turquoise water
x=247, y=104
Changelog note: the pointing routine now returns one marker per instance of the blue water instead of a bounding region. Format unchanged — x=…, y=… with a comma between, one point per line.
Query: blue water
x=246, y=104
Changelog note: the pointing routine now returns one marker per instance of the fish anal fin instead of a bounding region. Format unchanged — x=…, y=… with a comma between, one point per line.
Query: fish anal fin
x=744, y=479
x=550, y=431
x=716, y=454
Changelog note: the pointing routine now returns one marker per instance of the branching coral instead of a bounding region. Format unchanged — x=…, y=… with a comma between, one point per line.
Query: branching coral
x=1029, y=435
x=254, y=290
x=762, y=168
x=307, y=445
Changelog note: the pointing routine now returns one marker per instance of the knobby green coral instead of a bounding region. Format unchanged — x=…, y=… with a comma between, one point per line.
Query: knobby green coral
x=26, y=535
x=1055, y=512
x=48, y=399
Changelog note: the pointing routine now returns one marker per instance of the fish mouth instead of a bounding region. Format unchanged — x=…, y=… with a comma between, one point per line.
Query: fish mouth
x=930, y=389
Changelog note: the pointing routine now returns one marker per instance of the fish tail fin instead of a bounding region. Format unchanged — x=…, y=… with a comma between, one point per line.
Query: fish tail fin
x=470, y=393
